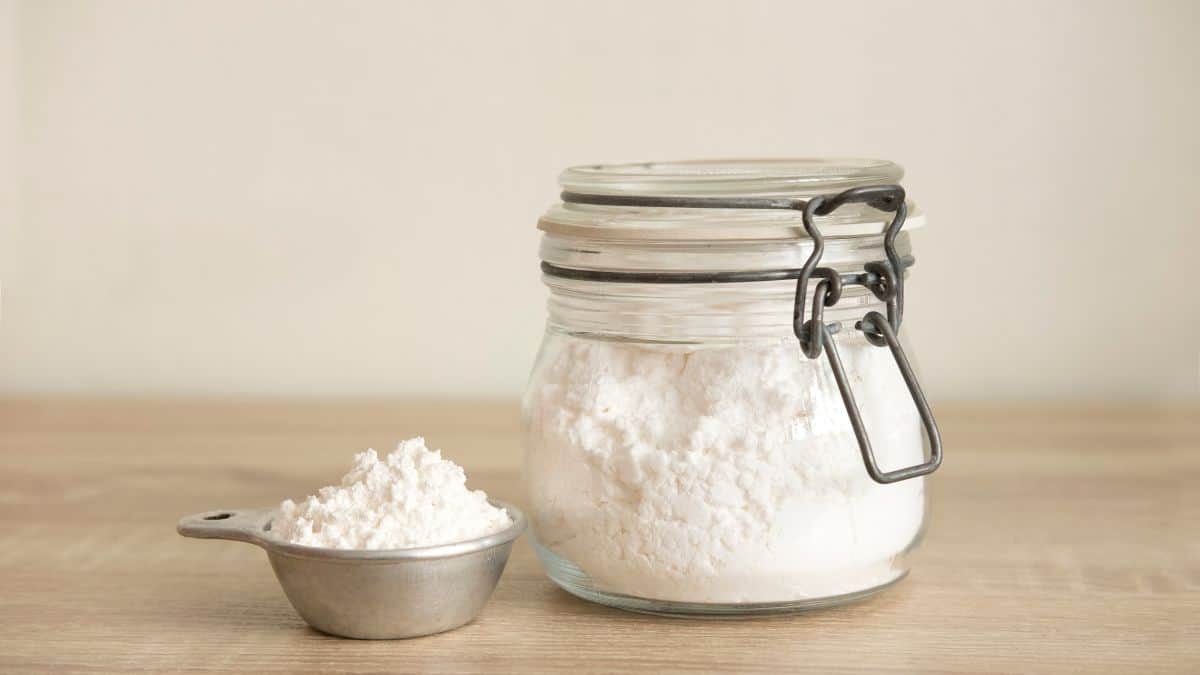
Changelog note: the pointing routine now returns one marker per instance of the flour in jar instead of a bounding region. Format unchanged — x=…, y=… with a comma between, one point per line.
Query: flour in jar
x=413, y=497
x=725, y=474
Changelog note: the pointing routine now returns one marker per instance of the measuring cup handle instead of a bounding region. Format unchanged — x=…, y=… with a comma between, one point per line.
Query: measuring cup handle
x=233, y=524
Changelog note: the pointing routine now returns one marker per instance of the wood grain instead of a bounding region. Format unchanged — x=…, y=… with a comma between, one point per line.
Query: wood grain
x=1063, y=539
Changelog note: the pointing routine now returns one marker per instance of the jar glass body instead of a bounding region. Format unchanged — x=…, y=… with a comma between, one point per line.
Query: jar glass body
x=682, y=455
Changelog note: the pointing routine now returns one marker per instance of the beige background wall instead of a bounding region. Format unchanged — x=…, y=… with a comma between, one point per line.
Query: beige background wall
x=339, y=198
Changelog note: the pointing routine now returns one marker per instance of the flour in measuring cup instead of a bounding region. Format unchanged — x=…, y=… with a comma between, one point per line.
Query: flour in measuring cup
x=413, y=497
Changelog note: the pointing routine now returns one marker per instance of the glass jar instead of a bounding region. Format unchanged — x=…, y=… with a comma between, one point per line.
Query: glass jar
x=690, y=448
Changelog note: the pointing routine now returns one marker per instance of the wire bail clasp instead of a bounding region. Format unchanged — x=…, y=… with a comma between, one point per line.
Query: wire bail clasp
x=885, y=280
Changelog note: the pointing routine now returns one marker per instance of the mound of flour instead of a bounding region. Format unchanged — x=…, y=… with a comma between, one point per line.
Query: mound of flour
x=726, y=474
x=414, y=497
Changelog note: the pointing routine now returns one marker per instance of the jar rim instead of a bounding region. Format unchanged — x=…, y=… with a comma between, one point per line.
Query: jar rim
x=781, y=178
x=743, y=177
x=795, y=178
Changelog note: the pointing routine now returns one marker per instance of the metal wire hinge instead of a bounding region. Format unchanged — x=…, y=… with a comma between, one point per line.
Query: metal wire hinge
x=884, y=278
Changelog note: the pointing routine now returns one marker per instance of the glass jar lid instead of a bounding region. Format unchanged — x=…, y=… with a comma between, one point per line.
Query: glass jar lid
x=797, y=178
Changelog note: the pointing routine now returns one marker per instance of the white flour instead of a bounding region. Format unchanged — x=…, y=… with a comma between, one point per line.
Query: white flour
x=412, y=498
x=722, y=474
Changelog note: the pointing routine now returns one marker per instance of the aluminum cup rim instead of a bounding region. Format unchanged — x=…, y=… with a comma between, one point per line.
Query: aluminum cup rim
x=459, y=548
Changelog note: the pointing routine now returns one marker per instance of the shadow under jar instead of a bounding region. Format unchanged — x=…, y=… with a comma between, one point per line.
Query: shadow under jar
x=721, y=419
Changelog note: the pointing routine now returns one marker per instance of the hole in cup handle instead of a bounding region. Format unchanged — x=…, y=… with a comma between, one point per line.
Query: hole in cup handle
x=233, y=524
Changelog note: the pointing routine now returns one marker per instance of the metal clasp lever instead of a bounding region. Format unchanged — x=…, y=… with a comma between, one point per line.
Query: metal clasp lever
x=880, y=323
x=886, y=282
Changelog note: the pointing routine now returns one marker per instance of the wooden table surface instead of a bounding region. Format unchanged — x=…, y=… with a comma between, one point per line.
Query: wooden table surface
x=1062, y=539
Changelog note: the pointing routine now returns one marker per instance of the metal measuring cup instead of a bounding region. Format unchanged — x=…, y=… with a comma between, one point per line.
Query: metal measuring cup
x=398, y=593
